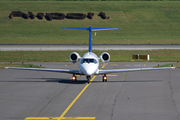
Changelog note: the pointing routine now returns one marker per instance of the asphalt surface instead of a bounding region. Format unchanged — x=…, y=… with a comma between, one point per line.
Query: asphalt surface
x=50, y=47
x=140, y=95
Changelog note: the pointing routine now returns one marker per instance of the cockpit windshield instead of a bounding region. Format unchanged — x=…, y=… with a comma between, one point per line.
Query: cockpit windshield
x=89, y=61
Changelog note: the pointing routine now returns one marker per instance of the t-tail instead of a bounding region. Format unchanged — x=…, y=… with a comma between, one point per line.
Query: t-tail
x=90, y=29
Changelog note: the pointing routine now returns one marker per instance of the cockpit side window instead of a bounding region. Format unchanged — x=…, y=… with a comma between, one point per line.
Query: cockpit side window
x=89, y=61
x=85, y=61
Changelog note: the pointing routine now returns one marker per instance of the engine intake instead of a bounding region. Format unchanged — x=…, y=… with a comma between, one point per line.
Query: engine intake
x=105, y=57
x=74, y=57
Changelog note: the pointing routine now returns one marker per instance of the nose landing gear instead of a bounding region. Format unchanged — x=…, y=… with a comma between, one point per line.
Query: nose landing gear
x=104, y=79
x=88, y=78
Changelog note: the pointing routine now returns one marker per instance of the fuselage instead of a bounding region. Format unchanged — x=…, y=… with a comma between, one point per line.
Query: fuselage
x=89, y=64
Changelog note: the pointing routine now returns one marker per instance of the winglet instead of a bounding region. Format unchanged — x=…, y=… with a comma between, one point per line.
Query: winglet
x=90, y=29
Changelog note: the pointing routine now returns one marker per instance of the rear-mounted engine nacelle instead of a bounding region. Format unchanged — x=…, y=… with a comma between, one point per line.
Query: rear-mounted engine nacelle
x=74, y=57
x=105, y=57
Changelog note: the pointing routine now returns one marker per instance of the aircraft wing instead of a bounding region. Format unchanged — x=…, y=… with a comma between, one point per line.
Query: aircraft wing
x=129, y=70
x=48, y=70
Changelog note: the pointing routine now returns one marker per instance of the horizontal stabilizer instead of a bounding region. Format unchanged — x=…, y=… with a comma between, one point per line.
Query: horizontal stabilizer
x=75, y=28
x=90, y=28
x=98, y=29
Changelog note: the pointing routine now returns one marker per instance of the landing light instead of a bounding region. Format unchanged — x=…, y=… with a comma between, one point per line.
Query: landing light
x=73, y=78
x=105, y=78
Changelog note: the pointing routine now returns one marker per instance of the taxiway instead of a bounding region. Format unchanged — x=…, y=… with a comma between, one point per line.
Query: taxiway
x=139, y=95
x=50, y=47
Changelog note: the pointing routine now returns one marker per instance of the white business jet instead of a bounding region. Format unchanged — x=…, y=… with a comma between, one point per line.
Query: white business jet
x=89, y=63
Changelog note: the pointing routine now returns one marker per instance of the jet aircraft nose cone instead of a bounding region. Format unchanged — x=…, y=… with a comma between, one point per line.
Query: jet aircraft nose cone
x=89, y=72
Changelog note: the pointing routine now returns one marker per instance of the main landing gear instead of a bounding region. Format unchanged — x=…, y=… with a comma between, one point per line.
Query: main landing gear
x=74, y=78
x=104, y=79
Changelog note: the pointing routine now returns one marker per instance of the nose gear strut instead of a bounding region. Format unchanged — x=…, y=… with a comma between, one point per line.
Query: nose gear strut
x=88, y=78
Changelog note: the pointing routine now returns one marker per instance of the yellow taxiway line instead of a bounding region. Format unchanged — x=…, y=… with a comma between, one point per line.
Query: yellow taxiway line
x=60, y=118
x=67, y=109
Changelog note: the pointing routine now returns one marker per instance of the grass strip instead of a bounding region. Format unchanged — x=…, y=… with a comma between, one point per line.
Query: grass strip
x=63, y=56
x=140, y=22
x=177, y=65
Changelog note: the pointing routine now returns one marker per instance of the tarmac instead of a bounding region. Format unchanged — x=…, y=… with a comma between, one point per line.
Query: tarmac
x=50, y=47
x=139, y=95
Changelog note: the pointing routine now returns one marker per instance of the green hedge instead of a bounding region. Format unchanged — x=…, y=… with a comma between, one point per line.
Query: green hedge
x=31, y=15
x=79, y=16
x=57, y=16
x=18, y=14
x=40, y=15
x=90, y=15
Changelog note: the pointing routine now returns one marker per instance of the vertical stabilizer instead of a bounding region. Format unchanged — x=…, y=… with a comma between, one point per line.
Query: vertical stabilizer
x=90, y=29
